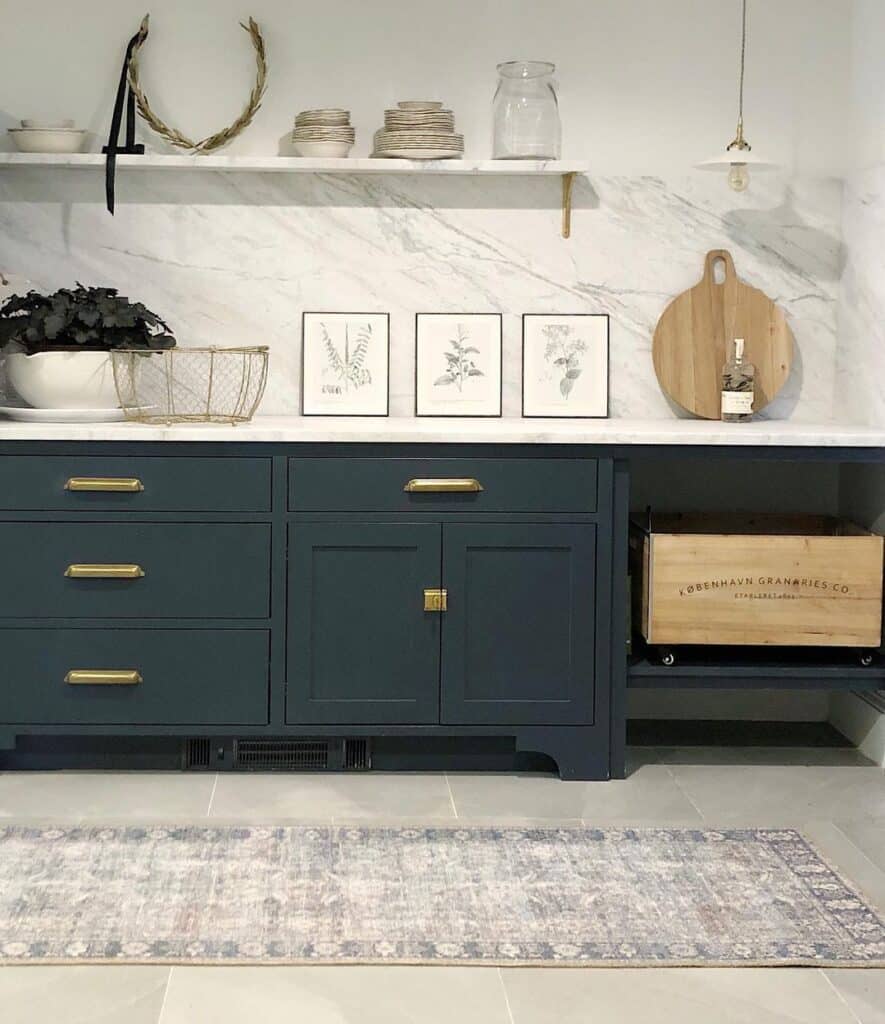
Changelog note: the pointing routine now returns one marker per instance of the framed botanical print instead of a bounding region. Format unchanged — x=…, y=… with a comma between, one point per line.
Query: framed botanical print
x=458, y=364
x=345, y=364
x=565, y=365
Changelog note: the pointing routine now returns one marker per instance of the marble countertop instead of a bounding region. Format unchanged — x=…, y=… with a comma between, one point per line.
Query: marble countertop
x=761, y=433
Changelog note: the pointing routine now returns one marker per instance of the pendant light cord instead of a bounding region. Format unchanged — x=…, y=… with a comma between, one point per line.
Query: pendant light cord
x=743, y=61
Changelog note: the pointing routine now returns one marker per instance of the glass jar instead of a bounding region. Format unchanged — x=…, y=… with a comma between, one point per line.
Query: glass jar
x=526, y=113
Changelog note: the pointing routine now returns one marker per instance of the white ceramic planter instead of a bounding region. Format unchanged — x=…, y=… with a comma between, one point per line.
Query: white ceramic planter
x=64, y=380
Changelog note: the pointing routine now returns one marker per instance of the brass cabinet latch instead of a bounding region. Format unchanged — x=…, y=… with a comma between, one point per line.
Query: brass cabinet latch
x=435, y=600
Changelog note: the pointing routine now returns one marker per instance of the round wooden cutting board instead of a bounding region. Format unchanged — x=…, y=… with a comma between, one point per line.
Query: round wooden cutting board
x=690, y=342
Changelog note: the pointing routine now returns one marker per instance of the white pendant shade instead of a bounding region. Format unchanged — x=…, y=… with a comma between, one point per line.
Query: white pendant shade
x=724, y=160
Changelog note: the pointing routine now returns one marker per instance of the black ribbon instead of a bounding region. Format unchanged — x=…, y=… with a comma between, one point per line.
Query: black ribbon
x=124, y=98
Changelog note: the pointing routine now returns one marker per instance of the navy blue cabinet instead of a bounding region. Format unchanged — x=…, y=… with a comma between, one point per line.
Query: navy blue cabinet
x=519, y=635
x=361, y=649
x=135, y=676
x=134, y=483
x=512, y=642
x=279, y=593
x=135, y=570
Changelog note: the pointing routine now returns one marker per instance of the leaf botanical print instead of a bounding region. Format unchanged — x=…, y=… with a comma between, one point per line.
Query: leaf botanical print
x=459, y=364
x=348, y=368
x=563, y=353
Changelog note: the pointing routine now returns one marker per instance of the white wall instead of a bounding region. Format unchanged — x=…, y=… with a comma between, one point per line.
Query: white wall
x=860, y=365
x=867, y=83
x=646, y=86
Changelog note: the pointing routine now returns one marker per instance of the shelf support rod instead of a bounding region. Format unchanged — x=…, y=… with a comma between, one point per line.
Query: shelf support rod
x=568, y=181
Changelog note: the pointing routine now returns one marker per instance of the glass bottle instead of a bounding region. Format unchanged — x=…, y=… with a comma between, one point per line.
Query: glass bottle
x=526, y=112
x=738, y=384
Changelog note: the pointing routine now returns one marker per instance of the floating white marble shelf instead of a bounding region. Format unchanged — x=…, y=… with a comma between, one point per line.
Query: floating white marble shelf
x=565, y=169
x=297, y=165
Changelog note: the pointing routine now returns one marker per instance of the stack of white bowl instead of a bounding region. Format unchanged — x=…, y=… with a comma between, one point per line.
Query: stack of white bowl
x=48, y=136
x=419, y=130
x=324, y=132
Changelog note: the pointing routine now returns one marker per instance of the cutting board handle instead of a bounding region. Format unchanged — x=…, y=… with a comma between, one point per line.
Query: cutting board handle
x=713, y=257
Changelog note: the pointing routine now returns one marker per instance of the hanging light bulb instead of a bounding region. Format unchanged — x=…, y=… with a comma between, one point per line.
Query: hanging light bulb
x=738, y=177
x=738, y=156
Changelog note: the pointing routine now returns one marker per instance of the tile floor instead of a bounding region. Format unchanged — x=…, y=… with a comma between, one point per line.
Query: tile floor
x=835, y=796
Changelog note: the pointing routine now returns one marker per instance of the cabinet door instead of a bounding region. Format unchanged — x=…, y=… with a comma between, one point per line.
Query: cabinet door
x=361, y=648
x=518, y=642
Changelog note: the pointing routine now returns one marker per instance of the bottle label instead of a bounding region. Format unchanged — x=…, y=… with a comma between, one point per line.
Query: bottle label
x=737, y=402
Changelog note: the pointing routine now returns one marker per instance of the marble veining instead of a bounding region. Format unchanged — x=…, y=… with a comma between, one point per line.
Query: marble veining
x=235, y=258
x=860, y=366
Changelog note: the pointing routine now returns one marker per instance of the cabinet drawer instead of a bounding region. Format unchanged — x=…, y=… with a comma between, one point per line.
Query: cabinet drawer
x=377, y=485
x=152, y=676
x=79, y=483
x=175, y=570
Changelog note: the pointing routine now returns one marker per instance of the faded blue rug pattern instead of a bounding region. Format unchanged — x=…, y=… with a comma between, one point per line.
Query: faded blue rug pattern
x=546, y=896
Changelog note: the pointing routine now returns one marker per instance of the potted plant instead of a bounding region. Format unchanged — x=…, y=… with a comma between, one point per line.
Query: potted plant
x=57, y=345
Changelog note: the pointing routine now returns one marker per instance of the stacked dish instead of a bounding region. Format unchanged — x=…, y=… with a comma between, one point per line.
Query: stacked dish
x=48, y=136
x=419, y=130
x=324, y=132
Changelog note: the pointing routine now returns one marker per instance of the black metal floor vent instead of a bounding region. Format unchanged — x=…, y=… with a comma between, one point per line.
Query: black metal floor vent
x=284, y=755
x=357, y=754
x=197, y=753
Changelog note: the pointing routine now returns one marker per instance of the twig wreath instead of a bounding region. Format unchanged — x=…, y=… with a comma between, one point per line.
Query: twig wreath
x=219, y=139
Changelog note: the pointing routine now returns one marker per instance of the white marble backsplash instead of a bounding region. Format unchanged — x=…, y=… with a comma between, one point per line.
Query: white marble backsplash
x=860, y=365
x=235, y=258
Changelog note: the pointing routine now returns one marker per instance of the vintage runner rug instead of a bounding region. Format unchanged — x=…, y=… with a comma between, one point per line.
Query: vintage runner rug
x=507, y=896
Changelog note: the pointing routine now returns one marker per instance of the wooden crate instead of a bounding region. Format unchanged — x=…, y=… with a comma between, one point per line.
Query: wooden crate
x=762, y=580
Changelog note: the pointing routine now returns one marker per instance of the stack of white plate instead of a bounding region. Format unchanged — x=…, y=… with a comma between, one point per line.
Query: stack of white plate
x=325, y=132
x=419, y=130
x=48, y=136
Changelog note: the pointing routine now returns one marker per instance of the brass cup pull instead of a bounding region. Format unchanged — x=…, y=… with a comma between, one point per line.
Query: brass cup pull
x=104, y=572
x=444, y=485
x=103, y=677
x=436, y=600
x=129, y=485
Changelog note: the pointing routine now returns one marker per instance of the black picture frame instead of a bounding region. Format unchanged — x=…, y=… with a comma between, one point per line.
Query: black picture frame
x=464, y=415
x=544, y=416
x=367, y=415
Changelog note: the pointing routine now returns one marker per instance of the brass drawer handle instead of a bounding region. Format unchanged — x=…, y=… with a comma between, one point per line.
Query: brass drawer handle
x=103, y=677
x=104, y=483
x=104, y=572
x=436, y=600
x=445, y=485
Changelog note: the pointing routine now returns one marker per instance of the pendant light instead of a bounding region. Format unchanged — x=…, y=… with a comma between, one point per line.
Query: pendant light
x=738, y=157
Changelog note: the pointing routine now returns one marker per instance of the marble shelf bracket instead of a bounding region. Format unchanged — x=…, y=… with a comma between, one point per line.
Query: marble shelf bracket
x=568, y=181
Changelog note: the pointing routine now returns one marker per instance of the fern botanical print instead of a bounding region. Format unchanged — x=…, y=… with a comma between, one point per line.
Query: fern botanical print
x=347, y=365
x=460, y=364
x=564, y=352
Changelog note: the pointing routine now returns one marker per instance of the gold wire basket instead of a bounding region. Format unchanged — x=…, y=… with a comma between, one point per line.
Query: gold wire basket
x=190, y=385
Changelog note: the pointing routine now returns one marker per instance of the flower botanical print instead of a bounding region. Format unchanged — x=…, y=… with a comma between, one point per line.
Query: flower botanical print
x=563, y=356
x=346, y=366
x=459, y=364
